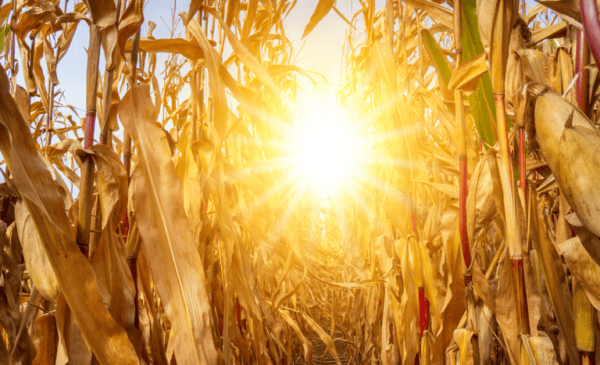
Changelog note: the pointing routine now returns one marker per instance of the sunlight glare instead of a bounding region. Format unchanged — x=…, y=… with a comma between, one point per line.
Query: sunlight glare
x=326, y=151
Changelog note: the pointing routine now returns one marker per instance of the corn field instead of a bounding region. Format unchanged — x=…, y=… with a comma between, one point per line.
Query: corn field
x=448, y=217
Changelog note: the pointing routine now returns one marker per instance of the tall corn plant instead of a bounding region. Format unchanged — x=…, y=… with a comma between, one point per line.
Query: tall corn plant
x=222, y=258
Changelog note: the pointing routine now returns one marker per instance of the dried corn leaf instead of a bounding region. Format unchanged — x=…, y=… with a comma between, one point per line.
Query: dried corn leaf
x=466, y=76
x=43, y=201
x=323, y=336
x=306, y=344
x=175, y=263
x=322, y=9
x=188, y=49
x=36, y=258
x=583, y=268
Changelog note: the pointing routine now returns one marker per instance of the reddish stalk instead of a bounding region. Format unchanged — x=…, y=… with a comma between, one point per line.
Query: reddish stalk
x=423, y=302
x=423, y=311
x=423, y=317
x=591, y=26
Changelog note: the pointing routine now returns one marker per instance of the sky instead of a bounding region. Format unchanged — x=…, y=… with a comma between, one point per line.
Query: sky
x=320, y=51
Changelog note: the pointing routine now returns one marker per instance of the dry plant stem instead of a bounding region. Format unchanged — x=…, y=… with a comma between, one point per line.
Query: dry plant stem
x=462, y=145
x=97, y=212
x=423, y=302
x=194, y=105
x=106, y=96
x=132, y=261
x=488, y=275
x=522, y=164
x=582, y=59
x=423, y=311
x=522, y=310
x=13, y=21
x=490, y=269
x=591, y=26
x=133, y=73
x=50, y=113
x=87, y=169
x=106, y=100
x=517, y=261
x=30, y=65
x=28, y=315
x=389, y=18
x=104, y=136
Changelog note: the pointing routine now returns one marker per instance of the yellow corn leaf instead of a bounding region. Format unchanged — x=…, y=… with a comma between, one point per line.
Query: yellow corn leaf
x=485, y=334
x=323, y=7
x=533, y=64
x=463, y=338
x=482, y=288
x=188, y=49
x=557, y=30
x=243, y=54
x=481, y=206
x=217, y=91
x=306, y=344
x=466, y=76
x=114, y=278
x=496, y=19
x=36, y=258
x=554, y=273
x=434, y=286
x=112, y=184
x=175, y=263
x=540, y=350
x=505, y=308
x=104, y=12
x=73, y=271
x=454, y=302
x=583, y=268
x=448, y=189
x=437, y=12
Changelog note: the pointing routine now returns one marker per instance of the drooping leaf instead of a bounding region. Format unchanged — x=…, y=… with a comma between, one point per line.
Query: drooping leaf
x=73, y=271
x=175, y=263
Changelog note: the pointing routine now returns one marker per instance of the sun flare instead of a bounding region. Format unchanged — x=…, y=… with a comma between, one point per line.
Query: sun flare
x=325, y=151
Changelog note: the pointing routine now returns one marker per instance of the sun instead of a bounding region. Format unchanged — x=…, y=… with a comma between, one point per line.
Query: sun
x=325, y=151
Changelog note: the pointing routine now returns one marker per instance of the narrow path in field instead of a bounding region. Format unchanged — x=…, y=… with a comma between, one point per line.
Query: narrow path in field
x=319, y=349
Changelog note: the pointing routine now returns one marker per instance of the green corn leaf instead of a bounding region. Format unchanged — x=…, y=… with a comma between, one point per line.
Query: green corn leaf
x=482, y=100
x=442, y=66
x=3, y=33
